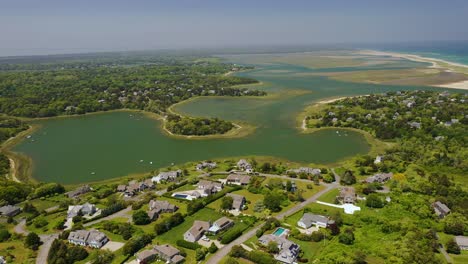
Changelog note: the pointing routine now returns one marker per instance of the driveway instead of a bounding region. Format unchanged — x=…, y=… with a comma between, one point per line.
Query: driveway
x=45, y=247
x=20, y=228
x=122, y=213
x=113, y=246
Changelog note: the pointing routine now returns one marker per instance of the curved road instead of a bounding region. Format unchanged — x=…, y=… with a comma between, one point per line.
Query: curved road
x=221, y=253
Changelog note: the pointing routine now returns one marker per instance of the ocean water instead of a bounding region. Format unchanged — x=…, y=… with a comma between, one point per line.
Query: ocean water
x=453, y=51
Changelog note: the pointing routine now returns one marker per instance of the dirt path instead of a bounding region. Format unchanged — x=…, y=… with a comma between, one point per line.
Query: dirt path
x=20, y=228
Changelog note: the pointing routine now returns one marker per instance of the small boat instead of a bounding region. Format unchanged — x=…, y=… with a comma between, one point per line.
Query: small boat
x=151, y=162
x=28, y=137
x=141, y=160
x=337, y=132
x=93, y=173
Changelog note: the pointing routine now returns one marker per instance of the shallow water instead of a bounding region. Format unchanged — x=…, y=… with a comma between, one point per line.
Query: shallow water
x=107, y=145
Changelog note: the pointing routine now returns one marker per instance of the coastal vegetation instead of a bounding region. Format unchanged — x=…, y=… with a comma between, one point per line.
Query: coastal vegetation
x=197, y=126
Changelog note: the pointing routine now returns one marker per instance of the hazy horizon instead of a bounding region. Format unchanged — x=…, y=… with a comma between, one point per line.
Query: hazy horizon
x=31, y=27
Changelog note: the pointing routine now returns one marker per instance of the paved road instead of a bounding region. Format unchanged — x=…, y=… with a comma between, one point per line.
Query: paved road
x=122, y=213
x=45, y=247
x=216, y=258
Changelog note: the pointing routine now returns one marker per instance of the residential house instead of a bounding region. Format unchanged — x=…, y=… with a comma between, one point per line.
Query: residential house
x=85, y=209
x=9, y=210
x=378, y=159
x=347, y=195
x=196, y=231
x=221, y=224
x=462, y=242
x=2, y=260
x=238, y=201
x=79, y=191
x=169, y=253
x=158, y=207
x=146, y=256
x=244, y=165
x=238, y=179
x=380, y=177
x=167, y=176
x=210, y=187
x=135, y=187
x=414, y=124
x=92, y=238
x=206, y=165
x=309, y=220
x=288, y=250
x=440, y=209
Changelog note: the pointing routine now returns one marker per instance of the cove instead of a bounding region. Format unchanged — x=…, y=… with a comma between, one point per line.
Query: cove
x=108, y=145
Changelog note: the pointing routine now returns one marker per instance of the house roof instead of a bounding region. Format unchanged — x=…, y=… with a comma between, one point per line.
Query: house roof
x=167, y=250
x=96, y=236
x=159, y=206
x=462, y=241
x=238, y=177
x=79, y=235
x=442, y=207
x=177, y=259
x=199, y=227
x=146, y=254
x=308, y=219
x=237, y=200
x=223, y=221
x=8, y=209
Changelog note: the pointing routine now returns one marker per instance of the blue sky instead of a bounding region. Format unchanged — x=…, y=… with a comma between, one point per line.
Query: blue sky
x=64, y=26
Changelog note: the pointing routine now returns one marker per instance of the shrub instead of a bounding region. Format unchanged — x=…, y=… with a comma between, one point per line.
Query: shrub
x=187, y=244
x=32, y=241
x=141, y=218
x=213, y=248
x=4, y=235
x=452, y=247
x=233, y=233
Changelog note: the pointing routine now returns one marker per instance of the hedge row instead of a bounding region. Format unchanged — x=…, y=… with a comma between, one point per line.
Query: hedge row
x=187, y=244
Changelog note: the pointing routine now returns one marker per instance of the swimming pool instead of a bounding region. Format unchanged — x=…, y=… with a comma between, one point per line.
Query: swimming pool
x=182, y=196
x=279, y=231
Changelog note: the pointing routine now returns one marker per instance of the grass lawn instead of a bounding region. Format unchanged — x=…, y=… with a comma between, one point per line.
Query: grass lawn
x=308, y=192
x=52, y=221
x=330, y=196
x=15, y=252
x=460, y=259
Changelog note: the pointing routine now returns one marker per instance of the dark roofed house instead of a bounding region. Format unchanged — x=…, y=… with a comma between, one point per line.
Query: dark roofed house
x=238, y=179
x=162, y=206
x=169, y=253
x=79, y=191
x=440, y=209
x=146, y=256
x=347, y=195
x=9, y=210
x=210, y=187
x=238, y=201
x=380, y=177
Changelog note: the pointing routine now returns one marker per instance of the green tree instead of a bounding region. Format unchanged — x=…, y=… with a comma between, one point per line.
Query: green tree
x=102, y=257
x=273, y=200
x=272, y=247
x=4, y=235
x=348, y=178
x=347, y=237
x=32, y=241
x=452, y=247
x=373, y=200
x=226, y=203
x=140, y=218
x=213, y=248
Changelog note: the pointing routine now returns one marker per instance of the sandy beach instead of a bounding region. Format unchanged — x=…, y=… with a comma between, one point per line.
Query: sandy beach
x=436, y=64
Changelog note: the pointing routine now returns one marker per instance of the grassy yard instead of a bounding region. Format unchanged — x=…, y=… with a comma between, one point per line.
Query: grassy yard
x=330, y=196
x=52, y=221
x=15, y=252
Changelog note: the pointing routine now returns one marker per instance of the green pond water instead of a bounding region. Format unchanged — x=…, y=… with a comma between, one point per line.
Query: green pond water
x=108, y=145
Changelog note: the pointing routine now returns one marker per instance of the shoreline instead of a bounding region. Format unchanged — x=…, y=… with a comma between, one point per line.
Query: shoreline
x=438, y=64
x=435, y=62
